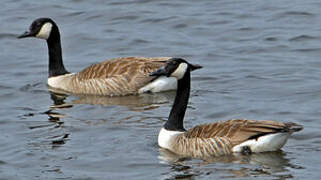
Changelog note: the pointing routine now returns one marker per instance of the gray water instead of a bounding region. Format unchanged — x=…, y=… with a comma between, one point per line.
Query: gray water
x=262, y=60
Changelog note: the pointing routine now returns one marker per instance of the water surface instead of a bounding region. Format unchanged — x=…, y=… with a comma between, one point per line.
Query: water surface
x=261, y=61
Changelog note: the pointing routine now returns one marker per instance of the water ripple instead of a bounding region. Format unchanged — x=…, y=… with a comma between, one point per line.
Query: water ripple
x=303, y=38
x=261, y=61
x=125, y=18
x=158, y=20
x=297, y=13
x=7, y=35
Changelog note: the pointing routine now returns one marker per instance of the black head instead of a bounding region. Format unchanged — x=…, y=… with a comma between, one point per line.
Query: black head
x=40, y=28
x=175, y=67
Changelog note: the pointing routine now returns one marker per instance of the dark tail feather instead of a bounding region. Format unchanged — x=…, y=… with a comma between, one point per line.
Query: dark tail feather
x=293, y=127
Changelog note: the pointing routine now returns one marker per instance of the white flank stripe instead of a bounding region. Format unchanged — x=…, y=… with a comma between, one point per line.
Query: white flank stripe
x=160, y=84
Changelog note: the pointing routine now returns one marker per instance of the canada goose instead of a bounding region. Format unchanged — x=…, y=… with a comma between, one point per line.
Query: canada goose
x=215, y=139
x=114, y=77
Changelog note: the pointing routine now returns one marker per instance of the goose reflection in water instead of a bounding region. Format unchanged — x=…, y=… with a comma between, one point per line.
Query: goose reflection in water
x=134, y=102
x=267, y=163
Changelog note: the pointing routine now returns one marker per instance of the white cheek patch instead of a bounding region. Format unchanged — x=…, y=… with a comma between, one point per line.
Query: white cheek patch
x=45, y=31
x=180, y=71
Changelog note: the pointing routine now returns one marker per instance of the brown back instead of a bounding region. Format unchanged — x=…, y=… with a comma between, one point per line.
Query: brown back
x=119, y=76
x=237, y=130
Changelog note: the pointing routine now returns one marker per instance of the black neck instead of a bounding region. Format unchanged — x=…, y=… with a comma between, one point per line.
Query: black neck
x=176, y=116
x=56, y=66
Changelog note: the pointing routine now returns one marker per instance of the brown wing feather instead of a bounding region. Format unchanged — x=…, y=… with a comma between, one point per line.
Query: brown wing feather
x=122, y=66
x=201, y=147
x=122, y=75
x=238, y=130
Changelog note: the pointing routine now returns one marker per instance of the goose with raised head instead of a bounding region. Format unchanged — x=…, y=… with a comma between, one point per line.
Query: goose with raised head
x=215, y=139
x=114, y=77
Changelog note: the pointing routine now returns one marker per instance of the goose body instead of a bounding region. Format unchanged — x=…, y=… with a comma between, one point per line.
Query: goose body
x=114, y=77
x=215, y=139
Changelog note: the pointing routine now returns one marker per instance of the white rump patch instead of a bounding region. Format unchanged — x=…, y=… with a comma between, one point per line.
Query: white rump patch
x=45, y=31
x=180, y=71
x=160, y=84
x=165, y=137
x=270, y=142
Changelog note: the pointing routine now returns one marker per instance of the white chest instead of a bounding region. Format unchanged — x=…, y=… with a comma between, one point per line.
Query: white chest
x=166, y=137
x=59, y=81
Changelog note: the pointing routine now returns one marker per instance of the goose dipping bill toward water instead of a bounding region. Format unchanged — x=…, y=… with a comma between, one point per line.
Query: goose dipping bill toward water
x=215, y=139
x=114, y=77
